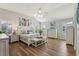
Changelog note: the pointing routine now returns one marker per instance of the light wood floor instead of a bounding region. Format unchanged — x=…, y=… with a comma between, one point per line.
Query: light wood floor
x=54, y=48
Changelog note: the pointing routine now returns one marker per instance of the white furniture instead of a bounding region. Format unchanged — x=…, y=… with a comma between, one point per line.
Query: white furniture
x=39, y=41
x=4, y=45
x=36, y=41
x=27, y=37
x=52, y=33
x=14, y=38
x=69, y=35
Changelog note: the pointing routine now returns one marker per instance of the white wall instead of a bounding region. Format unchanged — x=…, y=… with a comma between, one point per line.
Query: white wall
x=77, y=50
x=76, y=31
x=60, y=24
x=10, y=17
x=13, y=18
x=59, y=27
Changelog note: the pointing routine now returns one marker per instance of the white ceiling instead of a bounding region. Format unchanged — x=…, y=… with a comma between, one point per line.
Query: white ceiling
x=55, y=10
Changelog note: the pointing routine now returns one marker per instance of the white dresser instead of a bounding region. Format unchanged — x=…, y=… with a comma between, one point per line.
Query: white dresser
x=4, y=45
x=14, y=38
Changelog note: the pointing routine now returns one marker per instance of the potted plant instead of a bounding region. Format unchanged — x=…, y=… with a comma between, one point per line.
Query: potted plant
x=40, y=32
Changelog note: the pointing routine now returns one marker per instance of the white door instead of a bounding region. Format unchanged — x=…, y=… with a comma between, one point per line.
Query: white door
x=69, y=35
